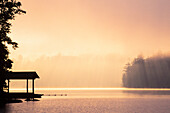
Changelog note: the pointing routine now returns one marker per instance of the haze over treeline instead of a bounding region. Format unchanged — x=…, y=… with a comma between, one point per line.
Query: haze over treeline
x=73, y=71
x=151, y=72
x=124, y=28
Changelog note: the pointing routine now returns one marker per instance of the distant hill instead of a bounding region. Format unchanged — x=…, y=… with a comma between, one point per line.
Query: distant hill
x=152, y=72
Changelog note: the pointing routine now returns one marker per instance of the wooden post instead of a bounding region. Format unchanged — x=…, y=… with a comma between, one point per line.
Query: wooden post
x=8, y=85
x=27, y=91
x=33, y=86
x=27, y=86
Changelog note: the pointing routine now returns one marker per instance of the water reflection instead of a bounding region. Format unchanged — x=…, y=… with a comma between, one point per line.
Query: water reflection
x=100, y=92
x=110, y=98
x=103, y=92
x=3, y=108
x=146, y=92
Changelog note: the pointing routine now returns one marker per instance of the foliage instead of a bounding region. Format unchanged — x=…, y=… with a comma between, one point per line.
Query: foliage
x=152, y=72
x=8, y=11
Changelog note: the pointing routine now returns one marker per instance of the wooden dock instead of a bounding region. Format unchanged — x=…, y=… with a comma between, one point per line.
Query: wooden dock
x=22, y=76
x=22, y=95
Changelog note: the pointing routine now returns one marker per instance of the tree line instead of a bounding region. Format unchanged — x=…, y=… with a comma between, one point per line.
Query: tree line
x=152, y=72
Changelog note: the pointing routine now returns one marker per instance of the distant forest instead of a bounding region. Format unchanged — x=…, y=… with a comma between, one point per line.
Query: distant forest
x=152, y=72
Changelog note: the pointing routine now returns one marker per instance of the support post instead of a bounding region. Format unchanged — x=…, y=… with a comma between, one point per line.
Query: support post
x=27, y=92
x=8, y=85
x=33, y=86
x=27, y=86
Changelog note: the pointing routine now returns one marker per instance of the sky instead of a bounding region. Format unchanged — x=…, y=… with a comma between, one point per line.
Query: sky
x=86, y=43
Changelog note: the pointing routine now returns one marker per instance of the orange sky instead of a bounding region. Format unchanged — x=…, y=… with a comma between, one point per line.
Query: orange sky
x=114, y=31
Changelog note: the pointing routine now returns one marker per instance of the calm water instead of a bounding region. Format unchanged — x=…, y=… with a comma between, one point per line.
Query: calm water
x=111, y=100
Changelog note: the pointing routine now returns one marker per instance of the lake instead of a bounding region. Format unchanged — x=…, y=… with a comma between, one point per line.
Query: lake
x=94, y=100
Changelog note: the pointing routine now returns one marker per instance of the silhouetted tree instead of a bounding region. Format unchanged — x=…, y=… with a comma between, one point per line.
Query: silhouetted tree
x=8, y=11
x=152, y=72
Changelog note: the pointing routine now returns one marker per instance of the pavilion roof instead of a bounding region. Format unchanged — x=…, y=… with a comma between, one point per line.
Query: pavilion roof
x=22, y=75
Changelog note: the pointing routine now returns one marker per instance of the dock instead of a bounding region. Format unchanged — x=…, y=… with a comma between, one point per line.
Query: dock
x=22, y=95
x=22, y=76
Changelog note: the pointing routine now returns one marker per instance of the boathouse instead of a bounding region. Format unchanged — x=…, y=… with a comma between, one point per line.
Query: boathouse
x=22, y=76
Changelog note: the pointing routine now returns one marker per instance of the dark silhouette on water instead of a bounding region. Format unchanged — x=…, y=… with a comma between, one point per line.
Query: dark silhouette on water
x=8, y=10
x=152, y=72
x=22, y=76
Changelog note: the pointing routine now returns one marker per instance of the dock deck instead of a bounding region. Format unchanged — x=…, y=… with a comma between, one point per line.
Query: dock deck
x=23, y=95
